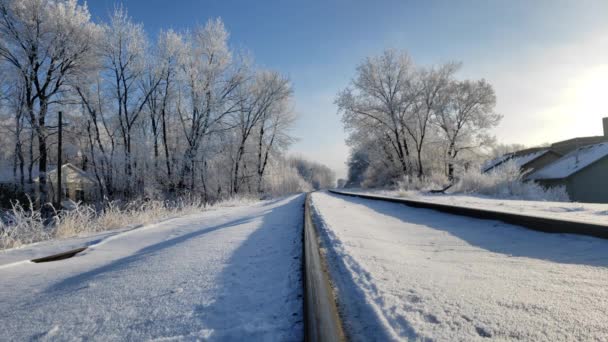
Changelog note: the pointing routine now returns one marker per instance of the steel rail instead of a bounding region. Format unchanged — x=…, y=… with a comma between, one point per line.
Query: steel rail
x=322, y=321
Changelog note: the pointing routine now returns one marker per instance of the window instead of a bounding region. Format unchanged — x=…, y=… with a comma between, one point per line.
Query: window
x=79, y=195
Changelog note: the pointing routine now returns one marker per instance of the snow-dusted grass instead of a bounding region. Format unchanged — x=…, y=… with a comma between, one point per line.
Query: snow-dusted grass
x=415, y=274
x=24, y=225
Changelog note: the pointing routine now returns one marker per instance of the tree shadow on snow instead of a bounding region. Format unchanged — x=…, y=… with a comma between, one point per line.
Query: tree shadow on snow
x=498, y=237
x=73, y=282
x=260, y=289
x=76, y=281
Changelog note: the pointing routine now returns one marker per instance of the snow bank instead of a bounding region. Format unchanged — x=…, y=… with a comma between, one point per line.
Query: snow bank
x=572, y=211
x=415, y=274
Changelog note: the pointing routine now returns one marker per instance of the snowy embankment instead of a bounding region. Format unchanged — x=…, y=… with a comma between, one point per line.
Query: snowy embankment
x=224, y=274
x=403, y=273
x=573, y=211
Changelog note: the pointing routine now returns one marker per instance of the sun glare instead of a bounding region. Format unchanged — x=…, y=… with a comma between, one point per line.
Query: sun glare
x=584, y=102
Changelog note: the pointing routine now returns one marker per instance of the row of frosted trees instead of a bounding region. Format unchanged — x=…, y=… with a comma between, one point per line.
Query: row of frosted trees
x=185, y=113
x=409, y=121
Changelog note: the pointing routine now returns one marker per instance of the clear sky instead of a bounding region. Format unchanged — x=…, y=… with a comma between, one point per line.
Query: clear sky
x=548, y=60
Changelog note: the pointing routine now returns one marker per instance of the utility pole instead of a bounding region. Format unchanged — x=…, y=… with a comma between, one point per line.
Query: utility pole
x=59, y=159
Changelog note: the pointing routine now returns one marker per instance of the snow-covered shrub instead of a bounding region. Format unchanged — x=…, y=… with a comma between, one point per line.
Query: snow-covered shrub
x=21, y=226
x=507, y=181
x=235, y=201
x=379, y=175
x=81, y=219
x=434, y=181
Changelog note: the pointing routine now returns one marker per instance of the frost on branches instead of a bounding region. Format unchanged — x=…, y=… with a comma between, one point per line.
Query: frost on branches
x=187, y=114
x=410, y=121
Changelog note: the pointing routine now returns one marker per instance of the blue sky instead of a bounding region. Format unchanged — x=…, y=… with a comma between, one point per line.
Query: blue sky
x=548, y=60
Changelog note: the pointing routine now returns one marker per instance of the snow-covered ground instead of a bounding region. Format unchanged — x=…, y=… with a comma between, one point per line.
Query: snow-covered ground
x=574, y=211
x=404, y=273
x=225, y=274
x=8, y=257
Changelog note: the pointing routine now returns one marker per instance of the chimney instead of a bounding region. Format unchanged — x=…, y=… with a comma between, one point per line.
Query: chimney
x=605, y=120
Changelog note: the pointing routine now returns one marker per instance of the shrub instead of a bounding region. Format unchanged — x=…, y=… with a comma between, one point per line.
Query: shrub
x=433, y=181
x=507, y=181
x=19, y=226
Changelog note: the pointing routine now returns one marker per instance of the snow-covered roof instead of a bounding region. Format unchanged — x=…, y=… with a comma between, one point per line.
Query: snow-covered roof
x=524, y=159
x=70, y=174
x=520, y=159
x=572, y=162
x=490, y=164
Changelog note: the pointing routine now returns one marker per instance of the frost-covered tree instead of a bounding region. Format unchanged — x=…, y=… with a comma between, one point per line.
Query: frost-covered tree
x=124, y=49
x=465, y=119
x=184, y=114
x=48, y=44
x=431, y=94
x=210, y=80
x=273, y=136
x=162, y=82
x=358, y=162
x=258, y=99
x=414, y=121
x=380, y=98
x=316, y=174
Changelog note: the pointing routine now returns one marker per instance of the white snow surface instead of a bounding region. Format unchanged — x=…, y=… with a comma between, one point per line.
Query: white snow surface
x=402, y=273
x=224, y=274
x=572, y=211
x=8, y=257
x=572, y=162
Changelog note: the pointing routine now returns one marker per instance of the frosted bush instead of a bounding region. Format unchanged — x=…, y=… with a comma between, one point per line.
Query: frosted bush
x=507, y=181
x=433, y=181
x=20, y=226
x=81, y=219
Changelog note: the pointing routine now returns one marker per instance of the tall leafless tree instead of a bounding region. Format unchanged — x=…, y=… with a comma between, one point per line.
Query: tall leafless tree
x=47, y=43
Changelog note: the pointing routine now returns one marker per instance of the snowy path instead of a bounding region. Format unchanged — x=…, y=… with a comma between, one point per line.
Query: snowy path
x=403, y=273
x=226, y=274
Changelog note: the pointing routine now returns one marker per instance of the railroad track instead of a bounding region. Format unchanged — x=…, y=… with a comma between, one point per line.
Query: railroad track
x=321, y=316
x=322, y=321
x=544, y=224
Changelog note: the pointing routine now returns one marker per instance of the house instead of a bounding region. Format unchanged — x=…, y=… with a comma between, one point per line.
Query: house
x=584, y=173
x=579, y=164
x=78, y=185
